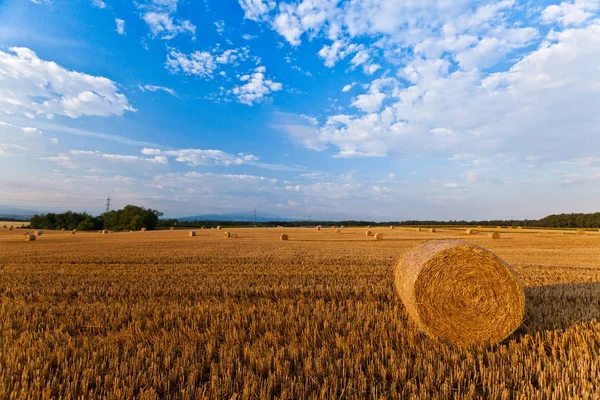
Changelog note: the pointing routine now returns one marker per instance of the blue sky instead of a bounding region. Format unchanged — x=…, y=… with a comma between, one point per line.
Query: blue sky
x=374, y=109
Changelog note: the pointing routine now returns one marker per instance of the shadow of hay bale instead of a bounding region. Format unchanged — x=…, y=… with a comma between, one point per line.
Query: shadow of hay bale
x=557, y=307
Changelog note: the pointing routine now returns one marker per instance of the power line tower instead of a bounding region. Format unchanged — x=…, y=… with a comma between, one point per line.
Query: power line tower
x=255, y=217
x=107, y=205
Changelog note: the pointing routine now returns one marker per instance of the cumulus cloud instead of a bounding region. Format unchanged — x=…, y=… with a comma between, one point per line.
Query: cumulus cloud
x=204, y=63
x=35, y=88
x=256, y=10
x=571, y=13
x=256, y=87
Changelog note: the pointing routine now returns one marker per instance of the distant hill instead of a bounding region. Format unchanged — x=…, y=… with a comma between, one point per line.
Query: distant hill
x=234, y=217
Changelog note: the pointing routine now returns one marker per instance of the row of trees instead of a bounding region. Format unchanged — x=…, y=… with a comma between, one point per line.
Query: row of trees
x=129, y=218
x=551, y=221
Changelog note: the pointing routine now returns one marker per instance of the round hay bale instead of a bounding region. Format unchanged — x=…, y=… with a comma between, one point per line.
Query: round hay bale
x=470, y=232
x=172, y=228
x=432, y=230
x=192, y=233
x=74, y=231
x=368, y=226
x=319, y=227
x=519, y=227
x=63, y=229
x=369, y=233
x=219, y=227
x=479, y=226
x=338, y=231
x=227, y=234
x=332, y=227
x=494, y=235
x=581, y=231
x=234, y=235
x=392, y=227
x=39, y=233
x=418, y=229
x=460, y=293
x=342, y=227
x=29, y=237
x=143, y=230
x=284, y=236
x=5, y=226
x=104, y=232
x=202, y=227
x=10, y=229
x=378, y=236
x=498, y=227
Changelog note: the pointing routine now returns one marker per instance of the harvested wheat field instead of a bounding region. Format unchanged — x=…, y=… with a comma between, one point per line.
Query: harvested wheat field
x=162, y=314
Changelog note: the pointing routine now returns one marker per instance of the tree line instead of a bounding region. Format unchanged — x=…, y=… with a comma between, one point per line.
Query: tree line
x=129, y=218
x=551, y=221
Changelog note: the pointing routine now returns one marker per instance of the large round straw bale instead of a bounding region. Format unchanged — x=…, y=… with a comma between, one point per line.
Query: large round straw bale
x=519, y=227
x=470, y=232
x=392, y=227
x=368, y=226
x=369, y=233
x=332, y=227
x=29, y=237
x=498, y=227
x=172, y=228
x=460, y=293
x=432, y=230
x=5, y=226
x=495, y=235
x=143, y=230
x=581, y=231
x=39, y=233
x=479, y=226
x=63, y=229
x=219, y=227
x=378, y=236
x=342, y=227
x=227, y=234
x=74, y=231
x=10, y=229
x=418, y=229
x=338, y=231
x=319, y=227
x=202, y=227
x=284, y=236
x=234, y=235
x=104, y=232
x=192, y=233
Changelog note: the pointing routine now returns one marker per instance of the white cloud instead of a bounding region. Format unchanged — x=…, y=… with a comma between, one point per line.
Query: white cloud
x=41, y=1
x=154, y=88
x=90, y=159
x=348, y=87
x=158, y=15
x=571, y=13
x=247, y=36
x=120, y=26
x=220, y=27
x=98, y=4
x=256, y=10
x=36, y=88
x=256, y=88
x=203, y=63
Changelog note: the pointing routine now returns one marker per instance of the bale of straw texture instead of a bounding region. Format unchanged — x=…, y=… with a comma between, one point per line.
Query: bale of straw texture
x=318, y=228
x=234, y=235
x=332, y=227
x=470, y=232
x=379, y=236
x=494, y=235
x=369, y=233
x=479, y=226
x=519, y=227
x=39, y=233
x=227, y=234
x=581, y=231
x=192, y=233
x=460, y=293
x=418, y=229
x=498, y=227
x=284, y=237
x=432, y=230
x=74, y=231
x=29, y=237
x=143, y=230
x=172, y=228
x=338, y=231
x=63, y=229
x=219, y=227
x=369, y=227
x=342, y=227
x=104, y=232
x=392, y=227
x=201, y=227
x=10, y=229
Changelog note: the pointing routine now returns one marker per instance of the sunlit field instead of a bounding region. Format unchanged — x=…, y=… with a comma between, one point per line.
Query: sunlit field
x=164, y=315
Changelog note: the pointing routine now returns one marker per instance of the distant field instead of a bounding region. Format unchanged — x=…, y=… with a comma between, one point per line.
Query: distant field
x=13, y=223
x=164, y=315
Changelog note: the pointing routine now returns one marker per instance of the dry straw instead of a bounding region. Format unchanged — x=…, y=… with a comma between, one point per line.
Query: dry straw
x=284, y=237
x=379, y=236
x=319, y=227
x=498, y=227
x=74, y=231
x=338, y=231
x=369, y=233
x=432, y=230
x=519, y=227
x=460, y=293
x=227, y=234
x=143, y=230
x=342, y=227
x=418, y=229
x=63, y=229
x=234, y=235
x=494, y=235
x=10, y=229
x=219, y=227
x=29, y=237
x=392, y=227
x=192, y=233
x=172, y=228
x=470, y=232
x=332, y=227
x=581, y=231
x=39, y=233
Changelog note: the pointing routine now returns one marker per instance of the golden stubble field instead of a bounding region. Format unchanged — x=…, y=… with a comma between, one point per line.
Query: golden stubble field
x=163, y=315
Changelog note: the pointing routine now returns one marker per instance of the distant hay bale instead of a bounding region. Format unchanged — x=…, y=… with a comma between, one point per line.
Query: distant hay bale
x=432, y=230
x=227, y=234
x=143, y=230
x=219, y=227
x=5, y=226
x=378, y=236
x=392, y=227
x=39, y=233
x=368, y=226
x=369, y=233
x=202, y=227
x=418, y=229
x=284, y=236
x=338, y=231
x=479, y=226
x=104, y=232
x=460, y=293
x=519, y=227
x=498, y=227
x=192, y=233
x=74, y=231
x=172, y=228
x=234, y=235
x=63, y=229
x=342, y=227
x=470, y=232
x=29, y=237
x=319, y=227
x=494, y=235
x=581, y=231
x=10, y=229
